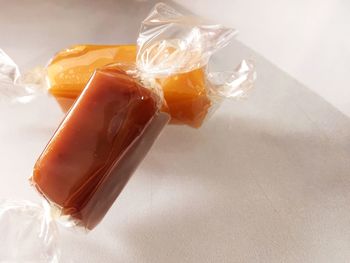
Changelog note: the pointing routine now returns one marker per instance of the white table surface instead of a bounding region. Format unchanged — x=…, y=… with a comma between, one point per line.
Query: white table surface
x=265, y=180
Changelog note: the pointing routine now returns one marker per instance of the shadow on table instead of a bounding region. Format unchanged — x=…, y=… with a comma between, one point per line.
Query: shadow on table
x=239, y=188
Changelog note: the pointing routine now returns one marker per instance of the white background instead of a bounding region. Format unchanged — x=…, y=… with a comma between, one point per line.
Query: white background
x=309, y=39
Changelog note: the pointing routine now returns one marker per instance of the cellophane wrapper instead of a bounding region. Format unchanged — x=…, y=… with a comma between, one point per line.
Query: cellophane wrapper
x=172, y=43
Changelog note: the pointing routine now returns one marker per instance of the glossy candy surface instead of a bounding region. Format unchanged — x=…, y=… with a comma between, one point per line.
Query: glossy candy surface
x=99, y=144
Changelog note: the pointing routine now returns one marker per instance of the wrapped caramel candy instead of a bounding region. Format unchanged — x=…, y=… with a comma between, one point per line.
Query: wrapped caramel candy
x=174, y=50
x=98, y=146
x=186, y=94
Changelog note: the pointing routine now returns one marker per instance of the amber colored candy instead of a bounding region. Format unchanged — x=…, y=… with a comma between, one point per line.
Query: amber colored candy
x=97, y=147
x=186, y=97
x=68, y=72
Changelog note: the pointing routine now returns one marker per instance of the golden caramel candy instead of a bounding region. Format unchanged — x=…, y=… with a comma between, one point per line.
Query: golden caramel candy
x=69, y=71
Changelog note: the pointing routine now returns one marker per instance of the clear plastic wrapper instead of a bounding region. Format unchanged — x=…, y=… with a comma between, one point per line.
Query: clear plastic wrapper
x=13, y=86
x=170, y=42
x=119, y=110
x=28, y=233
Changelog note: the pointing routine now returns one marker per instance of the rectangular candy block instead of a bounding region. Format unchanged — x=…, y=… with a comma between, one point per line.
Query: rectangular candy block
x=98, y=146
